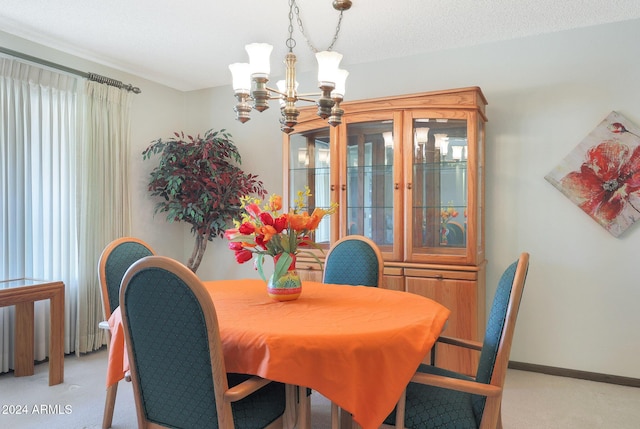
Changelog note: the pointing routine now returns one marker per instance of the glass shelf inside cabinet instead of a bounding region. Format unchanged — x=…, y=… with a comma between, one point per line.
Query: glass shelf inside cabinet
x=309, y=166
x=369, y=181
x=440, y=192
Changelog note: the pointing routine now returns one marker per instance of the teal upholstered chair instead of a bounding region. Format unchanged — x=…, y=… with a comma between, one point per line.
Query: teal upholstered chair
x=353, y=260
x=115, y=260
x=176, y=359
x=438, y=398
x=456, y=236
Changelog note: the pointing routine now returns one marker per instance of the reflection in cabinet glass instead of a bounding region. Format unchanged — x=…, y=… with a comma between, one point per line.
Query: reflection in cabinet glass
x=369, y=181
x=440, y=183
x=309, y=165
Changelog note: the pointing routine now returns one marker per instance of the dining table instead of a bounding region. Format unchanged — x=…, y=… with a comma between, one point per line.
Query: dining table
x=358, y=346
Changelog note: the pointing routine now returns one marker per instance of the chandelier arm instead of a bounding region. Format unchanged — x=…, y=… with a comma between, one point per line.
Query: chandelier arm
x=276, y=91
x=307, y=99
x=310, y=94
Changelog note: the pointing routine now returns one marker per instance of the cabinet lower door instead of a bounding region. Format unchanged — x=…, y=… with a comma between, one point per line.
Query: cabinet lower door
x=309, y=270
x=459, y=296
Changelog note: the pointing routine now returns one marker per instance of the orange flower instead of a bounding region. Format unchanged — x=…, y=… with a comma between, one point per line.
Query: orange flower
x=275, y=202
x=299, y=221
x=316, y=217
x=268, y=231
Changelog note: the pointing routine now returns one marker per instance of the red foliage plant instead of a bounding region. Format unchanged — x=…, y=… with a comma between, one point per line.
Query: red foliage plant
x=199, y=181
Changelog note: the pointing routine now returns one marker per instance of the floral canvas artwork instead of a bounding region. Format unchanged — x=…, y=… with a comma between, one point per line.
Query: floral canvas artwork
x=602, y=174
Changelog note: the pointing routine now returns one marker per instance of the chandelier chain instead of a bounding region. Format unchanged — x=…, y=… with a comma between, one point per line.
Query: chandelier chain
x=293, y=7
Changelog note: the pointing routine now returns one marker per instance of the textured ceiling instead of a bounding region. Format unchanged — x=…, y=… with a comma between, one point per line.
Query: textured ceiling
x=187, y=45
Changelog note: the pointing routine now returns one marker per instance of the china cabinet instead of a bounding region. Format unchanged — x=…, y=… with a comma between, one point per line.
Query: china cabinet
x=407, y=172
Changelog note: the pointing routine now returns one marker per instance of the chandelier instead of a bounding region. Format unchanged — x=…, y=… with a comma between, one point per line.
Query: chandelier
x=250, y=79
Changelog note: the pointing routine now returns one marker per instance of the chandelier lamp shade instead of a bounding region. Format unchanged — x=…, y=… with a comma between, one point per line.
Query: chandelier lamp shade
x=250, y=80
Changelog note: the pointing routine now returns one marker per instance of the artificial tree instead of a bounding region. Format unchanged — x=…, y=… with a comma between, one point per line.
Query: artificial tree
x=200, y=182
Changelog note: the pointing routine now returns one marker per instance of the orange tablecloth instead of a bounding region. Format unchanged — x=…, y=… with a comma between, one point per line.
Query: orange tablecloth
x=358, y=346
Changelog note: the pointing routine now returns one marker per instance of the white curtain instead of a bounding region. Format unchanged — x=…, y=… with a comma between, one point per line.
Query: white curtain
x=104, y=191
x=38, y=226
x=64, y=193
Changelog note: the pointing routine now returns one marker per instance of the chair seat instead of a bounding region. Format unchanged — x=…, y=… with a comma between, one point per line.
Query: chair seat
x=257, y=410
x=429, y=407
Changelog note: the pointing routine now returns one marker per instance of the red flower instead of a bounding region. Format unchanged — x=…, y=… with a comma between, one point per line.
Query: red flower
x=231, y=233
x=618, y=128
x=304, y=241
x=606, y=180
x=260, y=241
x=235, y=245
x=253, y=210
x=247, y=228
x=243, y=256
x=280, y=223
x=266, y=218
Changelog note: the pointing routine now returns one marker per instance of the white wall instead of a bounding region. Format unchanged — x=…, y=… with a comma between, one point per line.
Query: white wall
x=545, y=94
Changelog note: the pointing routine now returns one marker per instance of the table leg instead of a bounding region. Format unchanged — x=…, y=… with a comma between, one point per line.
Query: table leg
x=291, y=410
x=335, y=416
x=346, y=421
x=56, y=339
x=24, y=340
x=304, y=413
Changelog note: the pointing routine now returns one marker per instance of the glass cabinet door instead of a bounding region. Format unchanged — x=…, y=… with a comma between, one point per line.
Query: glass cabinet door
x=438, y=186
x=370, y=182
x=309, y=165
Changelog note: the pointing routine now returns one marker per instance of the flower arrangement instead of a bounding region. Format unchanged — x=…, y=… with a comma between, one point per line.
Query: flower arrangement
x=268, y=231
x=446, y=214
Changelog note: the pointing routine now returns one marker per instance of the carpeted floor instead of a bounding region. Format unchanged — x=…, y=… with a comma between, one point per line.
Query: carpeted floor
x=530, y=401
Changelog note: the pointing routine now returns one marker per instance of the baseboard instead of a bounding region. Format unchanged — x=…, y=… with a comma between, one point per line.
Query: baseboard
x=572, y=373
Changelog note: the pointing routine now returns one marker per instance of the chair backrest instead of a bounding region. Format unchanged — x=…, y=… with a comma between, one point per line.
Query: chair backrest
x=354, y=260
x=174, y=347
x=456, y=234
x=494, y=357
x=115, y=260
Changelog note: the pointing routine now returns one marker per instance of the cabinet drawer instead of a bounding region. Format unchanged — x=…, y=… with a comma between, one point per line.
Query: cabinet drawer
x=441, y=274
x=308, y=265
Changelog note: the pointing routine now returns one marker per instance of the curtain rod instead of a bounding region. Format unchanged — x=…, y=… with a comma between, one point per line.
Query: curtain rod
x=91, y=76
